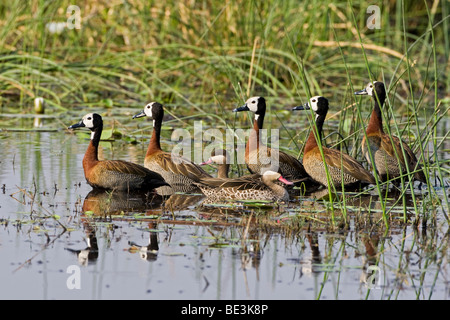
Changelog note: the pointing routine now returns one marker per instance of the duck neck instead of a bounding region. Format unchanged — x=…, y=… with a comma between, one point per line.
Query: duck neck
x=259, y=121
x=155, y=145
x=253, y=141
x=279, y=191
x=222, y=171
x=311, y=143
x=91, y=155
x=376, y=119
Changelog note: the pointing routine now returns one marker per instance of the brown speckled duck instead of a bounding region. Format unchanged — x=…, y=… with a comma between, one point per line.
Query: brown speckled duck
x=341, y=167
x=388, y=156
x=179, y=172
x=113, y=174
x=252, y=187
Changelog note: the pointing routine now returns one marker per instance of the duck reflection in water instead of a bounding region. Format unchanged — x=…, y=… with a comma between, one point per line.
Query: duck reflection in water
x=148, y=252
x=90, y=252
x=102, y=202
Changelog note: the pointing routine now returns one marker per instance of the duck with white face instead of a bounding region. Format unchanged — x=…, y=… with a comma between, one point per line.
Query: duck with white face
x=148, y=111
x=179, y=172
x=113, y=174
x=318, y=104
x=260, y=157
x=375, y=86
x=256, y=104
x=91, y=121
x=390, y=155
x=344, y=172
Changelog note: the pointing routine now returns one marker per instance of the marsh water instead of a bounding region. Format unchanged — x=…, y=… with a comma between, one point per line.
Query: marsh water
x=59, y=239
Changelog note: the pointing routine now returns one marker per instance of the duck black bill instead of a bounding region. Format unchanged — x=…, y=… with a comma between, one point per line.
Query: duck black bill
x=302, y=107
x=243, y=108
x=139, y=115
x=77, y=125
x=361, y=92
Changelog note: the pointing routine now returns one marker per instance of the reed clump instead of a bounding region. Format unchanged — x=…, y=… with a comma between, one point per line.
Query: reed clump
x=131, y=51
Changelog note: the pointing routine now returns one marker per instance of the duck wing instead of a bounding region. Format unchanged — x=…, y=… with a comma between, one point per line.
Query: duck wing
x=252, y=181
x=180, y=165
x=394, y=149
x=348, y=164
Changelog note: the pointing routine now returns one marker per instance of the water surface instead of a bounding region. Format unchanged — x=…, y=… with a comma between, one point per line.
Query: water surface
x=54, y=228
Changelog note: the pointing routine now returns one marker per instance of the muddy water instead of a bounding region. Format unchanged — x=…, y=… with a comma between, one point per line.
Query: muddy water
x=60, y=240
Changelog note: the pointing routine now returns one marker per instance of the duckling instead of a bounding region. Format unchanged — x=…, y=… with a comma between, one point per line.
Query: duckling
x=388, y=156
x=113, y=174
x=341, y=167
x=179, y=172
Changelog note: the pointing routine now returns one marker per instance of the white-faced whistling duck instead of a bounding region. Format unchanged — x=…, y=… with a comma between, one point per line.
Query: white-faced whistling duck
x=179, y=172
x=341, y=167
x=113, y=174
x=257, y=154
x=386, y=150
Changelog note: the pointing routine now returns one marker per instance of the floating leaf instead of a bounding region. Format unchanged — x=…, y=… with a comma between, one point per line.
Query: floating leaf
x=174, y=254
x=107, y=134
x=133, y=249
x=155, y=230
x=220, y=245
x=107, y=103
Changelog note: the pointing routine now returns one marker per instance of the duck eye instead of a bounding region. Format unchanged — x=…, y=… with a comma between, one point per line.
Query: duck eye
x=89, y=118
x=253, y=101
x=371, y=86
x=314, y=100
